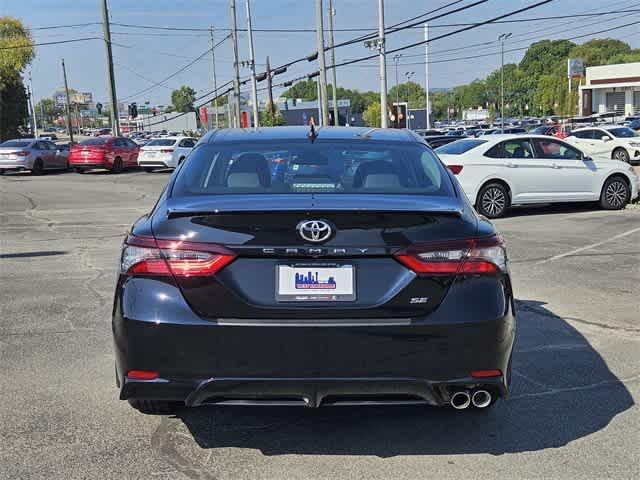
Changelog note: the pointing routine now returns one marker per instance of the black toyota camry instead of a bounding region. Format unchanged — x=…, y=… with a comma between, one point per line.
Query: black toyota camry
x=292, y=266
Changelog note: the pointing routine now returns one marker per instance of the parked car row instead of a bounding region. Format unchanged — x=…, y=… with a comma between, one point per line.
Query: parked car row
x=102, y=152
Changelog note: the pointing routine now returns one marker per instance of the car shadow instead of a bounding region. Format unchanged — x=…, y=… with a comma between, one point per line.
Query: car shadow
x=552, y=208
x=43, y=253
x=562, y=390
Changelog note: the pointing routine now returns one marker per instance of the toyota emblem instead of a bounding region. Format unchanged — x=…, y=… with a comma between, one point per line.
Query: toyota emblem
x=314, y=230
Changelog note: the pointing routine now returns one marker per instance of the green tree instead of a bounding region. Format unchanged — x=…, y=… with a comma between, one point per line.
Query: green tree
x=183, y=99
x=545, y=56
x=270, y=119
x=371, y=115
x=598, y=51
x=50, y=110
x=305, y=89
x=411, y=92
x=16, y=52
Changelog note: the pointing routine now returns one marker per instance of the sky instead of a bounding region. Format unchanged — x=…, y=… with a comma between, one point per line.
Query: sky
x=145, y=56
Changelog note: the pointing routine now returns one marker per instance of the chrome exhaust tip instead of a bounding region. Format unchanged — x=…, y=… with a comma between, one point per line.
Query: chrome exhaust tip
x=481, y=399
x=460, y=400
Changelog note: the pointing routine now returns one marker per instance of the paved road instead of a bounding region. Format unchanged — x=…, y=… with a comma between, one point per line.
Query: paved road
x=576, y=369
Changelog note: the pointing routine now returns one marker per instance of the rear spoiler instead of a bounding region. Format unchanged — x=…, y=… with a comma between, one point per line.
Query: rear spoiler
x=200, y=205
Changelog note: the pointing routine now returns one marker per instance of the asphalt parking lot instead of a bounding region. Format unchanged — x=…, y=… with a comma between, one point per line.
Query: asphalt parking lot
x=572, y=415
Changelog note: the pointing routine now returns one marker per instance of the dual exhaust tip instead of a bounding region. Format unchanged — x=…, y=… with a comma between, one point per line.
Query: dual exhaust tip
x=479, y=398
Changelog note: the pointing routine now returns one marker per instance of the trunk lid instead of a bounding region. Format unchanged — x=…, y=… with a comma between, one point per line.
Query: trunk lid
x=261, y=230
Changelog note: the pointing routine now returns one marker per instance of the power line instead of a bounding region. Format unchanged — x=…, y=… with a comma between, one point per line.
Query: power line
x=30, y=45
x=449, y=34
x=519, y=49
x=551, y=30
x=346, y=30
x=177, y=72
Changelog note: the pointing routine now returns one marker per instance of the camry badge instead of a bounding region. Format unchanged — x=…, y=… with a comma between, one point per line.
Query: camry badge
x=314, y=230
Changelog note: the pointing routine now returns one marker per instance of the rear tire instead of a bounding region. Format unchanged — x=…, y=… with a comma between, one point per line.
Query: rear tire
x=1, y=172
x=38, y=167
x=621, y=154
x=78, y=170
x=117, y=165
x=493, y=200
x=155, y=407
x=148, y=169
x=615, y=193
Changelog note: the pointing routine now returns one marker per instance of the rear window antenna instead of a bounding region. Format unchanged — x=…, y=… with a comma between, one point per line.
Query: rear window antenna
x=312, y=131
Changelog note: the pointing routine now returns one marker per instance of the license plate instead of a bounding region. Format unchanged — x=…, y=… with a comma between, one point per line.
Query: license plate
x=151, y=154
x=315, y=283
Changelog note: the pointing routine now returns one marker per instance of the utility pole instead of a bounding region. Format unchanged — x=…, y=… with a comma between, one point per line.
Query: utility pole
x=383, y=66
x=396, y=57
x=215, y=83
x=67, y=104
x=270, y=90
x=33, y=107
x=332, y=12
x=252, y=65
x=321, y=61
x=426, y=73
x=319, y=102
x=236, y=71
x=502, y=38
x=115, y=124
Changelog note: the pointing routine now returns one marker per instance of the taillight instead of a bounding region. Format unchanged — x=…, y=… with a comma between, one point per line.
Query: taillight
x=166, y=150
x=465, y=257
x=147, y=256
x=456, y=169
x=22, y=153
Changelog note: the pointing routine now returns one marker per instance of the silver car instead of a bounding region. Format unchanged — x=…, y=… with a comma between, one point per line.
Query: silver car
x=31, y=154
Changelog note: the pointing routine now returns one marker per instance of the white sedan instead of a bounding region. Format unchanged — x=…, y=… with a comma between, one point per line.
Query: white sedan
x=612, y=141
x=166, y=152
x=498, y=171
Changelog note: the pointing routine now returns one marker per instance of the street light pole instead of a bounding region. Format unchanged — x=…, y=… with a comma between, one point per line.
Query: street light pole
x=252, y=66
x=68, y=104
x=33, y=107
x=396, y=57
x=115, y=121
x=236, y=71
x=332, y=12
x=321, y=61
x=426, y=73
x=502, y=38
x=383, y=66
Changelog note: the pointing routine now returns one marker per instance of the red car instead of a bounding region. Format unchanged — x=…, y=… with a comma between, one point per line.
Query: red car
x=113, y=153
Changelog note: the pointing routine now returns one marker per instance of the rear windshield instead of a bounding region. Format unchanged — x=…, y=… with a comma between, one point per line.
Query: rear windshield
x=94, y=141
x=622, y=132
x=16, y=143
x=459, y=146
x=321, y=167
x=161, y=142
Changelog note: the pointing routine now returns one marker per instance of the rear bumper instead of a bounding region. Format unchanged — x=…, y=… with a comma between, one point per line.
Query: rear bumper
x=415, y=360
x=88, y=166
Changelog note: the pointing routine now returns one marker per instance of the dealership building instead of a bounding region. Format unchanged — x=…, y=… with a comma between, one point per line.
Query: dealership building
x=611, y=89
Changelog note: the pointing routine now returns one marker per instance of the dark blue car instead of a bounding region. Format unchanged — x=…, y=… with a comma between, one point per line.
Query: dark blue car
x=295, y=267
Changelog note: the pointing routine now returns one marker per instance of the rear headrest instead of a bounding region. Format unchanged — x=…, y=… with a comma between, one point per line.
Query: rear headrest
x=378, y=168
x=249, y=170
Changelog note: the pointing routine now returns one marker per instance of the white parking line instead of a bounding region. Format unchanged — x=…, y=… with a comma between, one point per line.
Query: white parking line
x=593, y=245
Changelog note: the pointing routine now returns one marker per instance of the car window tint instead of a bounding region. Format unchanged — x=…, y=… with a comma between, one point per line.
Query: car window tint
x=583, y=134
x=322, y=167
x=517, y=148
x=553, y=149
x=495, y=151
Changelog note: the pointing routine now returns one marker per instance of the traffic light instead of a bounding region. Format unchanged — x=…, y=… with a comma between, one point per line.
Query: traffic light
x=99, y=108
x=133, y=110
